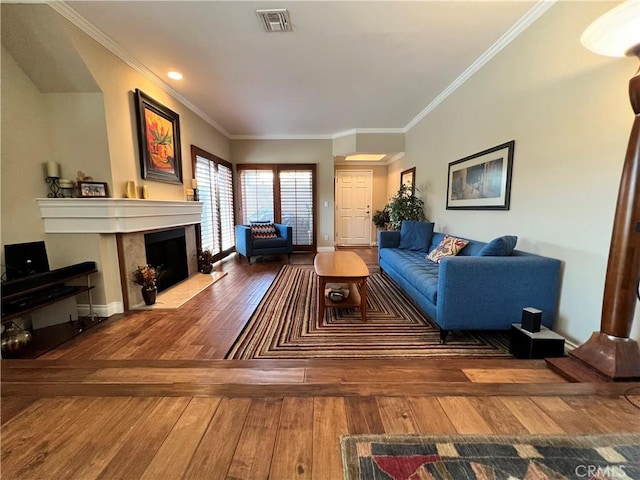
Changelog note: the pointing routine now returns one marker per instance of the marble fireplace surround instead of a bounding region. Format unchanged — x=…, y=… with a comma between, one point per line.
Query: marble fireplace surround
x=127, y=220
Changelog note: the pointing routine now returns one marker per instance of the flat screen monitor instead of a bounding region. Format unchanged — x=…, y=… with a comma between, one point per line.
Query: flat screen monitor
x=25, y=259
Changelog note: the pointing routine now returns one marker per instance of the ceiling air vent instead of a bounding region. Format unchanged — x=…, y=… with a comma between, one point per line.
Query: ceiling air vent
x=275, y=20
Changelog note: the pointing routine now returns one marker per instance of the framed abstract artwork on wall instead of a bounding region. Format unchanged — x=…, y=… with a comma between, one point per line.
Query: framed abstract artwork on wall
x=481, y=181
x=159, y=140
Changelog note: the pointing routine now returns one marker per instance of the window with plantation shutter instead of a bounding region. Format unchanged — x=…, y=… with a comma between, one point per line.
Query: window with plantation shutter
x=215, y=191
x=205, y=174
x=296, y=204
x=281, y=193
x=256, y=192
x=225, y=194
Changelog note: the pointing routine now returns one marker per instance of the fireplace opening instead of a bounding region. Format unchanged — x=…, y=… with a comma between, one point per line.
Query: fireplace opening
x=168, y=249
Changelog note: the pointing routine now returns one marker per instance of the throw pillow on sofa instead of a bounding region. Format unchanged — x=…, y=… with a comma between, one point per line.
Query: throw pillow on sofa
x=415, y=235
x=499, y=247
x=448, y=247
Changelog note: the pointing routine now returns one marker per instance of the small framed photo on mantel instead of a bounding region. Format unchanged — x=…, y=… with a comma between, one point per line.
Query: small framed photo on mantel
x=93, y=189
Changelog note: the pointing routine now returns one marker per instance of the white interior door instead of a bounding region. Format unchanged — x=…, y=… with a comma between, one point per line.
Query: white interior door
x=353, y=207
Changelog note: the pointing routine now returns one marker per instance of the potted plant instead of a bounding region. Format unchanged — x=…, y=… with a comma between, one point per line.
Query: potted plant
x=404, y=206
x=205, y=261
x=381, y=218
x=147, y=277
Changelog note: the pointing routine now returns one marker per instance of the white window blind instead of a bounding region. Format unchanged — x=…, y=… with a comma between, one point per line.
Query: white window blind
x=257, y=195
x=296, y=204
x=215, y=189
x=205, y=174
x=225, y=194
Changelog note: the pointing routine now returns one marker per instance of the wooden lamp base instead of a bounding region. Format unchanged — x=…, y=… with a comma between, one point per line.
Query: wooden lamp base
x=617, y=358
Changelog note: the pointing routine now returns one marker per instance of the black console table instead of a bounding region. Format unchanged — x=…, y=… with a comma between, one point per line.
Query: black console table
x=25, y=295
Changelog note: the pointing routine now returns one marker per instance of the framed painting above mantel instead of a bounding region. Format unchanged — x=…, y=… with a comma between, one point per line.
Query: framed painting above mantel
x=159, y=140
x=481, y=181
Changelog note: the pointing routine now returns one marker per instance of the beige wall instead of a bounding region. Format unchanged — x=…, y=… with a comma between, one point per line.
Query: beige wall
x=25, y=148
x=78, y=130
x=568, y=112
x=368, y=143
x=297, y=151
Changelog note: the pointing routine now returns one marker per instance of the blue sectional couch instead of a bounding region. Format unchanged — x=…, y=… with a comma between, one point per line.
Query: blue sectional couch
x=470, y=291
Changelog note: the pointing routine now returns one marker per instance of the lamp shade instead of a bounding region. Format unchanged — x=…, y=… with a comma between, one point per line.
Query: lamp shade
x=616, y=33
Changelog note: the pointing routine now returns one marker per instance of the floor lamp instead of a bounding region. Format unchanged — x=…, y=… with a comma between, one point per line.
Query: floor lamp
x=611, y=351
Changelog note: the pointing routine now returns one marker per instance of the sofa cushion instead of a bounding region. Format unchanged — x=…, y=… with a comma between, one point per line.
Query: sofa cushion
x=499, y=247
x=263, y=230
x=449, y=247
x=415, y=235
x=274, y=242
x=422, y=275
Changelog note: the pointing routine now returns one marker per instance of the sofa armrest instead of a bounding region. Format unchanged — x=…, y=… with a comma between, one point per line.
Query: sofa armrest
x=286, y=231
x=388, y=239
x=244, y=242
x=490, y=292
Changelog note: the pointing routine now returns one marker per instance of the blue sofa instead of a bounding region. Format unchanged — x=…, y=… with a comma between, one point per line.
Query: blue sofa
x=248, y=246
x=470, y=291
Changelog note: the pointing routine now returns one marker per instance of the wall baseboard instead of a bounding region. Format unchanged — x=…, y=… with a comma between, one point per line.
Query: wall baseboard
x=568, y=346
x=104, y=311
x=326, y=249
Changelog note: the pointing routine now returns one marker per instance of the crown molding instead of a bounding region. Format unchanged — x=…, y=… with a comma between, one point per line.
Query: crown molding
x=83, y=24
x=520, y=26
x=333, y=136
x=356, y=131
x=280, y=137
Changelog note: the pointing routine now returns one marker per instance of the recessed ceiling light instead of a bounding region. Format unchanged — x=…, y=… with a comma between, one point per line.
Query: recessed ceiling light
x=365, y=157
x=174, y=75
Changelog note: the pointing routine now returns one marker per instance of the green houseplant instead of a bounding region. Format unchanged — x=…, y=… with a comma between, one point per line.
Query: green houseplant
x=404, y=206
x=381, y=218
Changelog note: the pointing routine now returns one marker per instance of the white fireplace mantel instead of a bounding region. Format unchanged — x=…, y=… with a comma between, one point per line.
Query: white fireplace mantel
x=115, y=215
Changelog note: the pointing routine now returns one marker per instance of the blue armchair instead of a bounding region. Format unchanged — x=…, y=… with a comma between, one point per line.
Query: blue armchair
x=248, y=246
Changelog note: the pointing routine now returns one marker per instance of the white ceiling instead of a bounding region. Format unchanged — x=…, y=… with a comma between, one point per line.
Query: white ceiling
x=346, y=65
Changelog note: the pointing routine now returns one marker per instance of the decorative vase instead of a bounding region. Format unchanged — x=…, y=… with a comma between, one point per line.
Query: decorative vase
x=149, y=294
x=14, y=339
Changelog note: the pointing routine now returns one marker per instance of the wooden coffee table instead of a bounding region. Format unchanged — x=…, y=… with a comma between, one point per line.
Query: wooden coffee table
x=342, y=267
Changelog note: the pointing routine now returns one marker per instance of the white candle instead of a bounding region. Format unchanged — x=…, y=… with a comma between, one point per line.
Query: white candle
x=194, y=183
x=53, y=169
x=65, y=183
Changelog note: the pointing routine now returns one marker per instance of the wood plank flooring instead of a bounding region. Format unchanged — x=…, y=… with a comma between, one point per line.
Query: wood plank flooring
x=146, y=395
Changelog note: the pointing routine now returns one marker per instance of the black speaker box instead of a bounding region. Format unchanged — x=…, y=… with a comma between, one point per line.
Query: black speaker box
x=531, y=319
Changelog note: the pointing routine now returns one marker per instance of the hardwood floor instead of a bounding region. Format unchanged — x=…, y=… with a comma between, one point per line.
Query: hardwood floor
x=147, y=395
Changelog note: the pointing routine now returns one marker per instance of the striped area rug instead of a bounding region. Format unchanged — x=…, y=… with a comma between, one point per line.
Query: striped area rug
x=286, y=325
